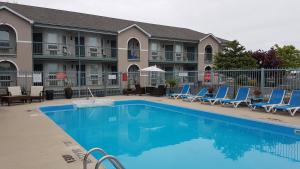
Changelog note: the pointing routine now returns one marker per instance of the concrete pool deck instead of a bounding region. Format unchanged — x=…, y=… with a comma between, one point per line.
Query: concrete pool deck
x=29, y=140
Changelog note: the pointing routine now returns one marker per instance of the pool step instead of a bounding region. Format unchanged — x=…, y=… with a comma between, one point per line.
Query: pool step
x=113, y=160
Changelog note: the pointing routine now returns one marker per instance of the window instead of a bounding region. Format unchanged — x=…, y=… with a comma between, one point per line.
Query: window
x=52, y=67
x=153, y=46
x=133, y=49
x=154, y=50
x=208, y=54
x=178, y=49
x=64, y=40
x=94, y=74
x=94, y=69
x=4, y=39
x=93, y=41
x=52, y=38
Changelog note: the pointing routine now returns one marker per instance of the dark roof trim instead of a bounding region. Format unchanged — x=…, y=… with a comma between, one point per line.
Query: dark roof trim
x=40, y=25
x=16, y=13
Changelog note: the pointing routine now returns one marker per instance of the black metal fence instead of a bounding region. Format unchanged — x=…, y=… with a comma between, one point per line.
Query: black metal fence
x=100, y=83
x=110, y=83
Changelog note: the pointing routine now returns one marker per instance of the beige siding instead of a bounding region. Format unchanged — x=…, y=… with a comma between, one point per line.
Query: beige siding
x=201, y=50
x=23, y=30
x=123, y=39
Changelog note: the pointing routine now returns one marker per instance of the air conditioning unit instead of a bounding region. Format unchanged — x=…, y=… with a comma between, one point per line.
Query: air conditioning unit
x=154, y=53
x=52, y=47
x=94, y=51
x=178, y=54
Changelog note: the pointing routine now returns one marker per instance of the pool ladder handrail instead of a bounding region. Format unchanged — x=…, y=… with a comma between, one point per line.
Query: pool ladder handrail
x=114, y=161
x=117, y=164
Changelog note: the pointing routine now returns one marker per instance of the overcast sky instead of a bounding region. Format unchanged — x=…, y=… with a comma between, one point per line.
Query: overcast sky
x=257, y=24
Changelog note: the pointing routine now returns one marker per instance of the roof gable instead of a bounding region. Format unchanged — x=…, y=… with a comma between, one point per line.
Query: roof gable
x=136, y=26
x=16, y=13
x=211, y=35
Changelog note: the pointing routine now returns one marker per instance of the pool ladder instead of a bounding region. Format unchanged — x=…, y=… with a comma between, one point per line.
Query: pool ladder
x=112, y=159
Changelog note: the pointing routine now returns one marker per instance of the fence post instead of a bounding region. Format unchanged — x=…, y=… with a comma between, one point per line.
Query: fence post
x=120, y=74
x=262, y=80
x=105, y=83
x=212, y=77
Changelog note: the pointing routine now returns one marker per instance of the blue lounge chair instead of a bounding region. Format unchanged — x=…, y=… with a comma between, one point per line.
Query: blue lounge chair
x=221, y=94
x=199, y=95
x=293, y=106
x=241, y=97
x=275, y=99
x=184, y=92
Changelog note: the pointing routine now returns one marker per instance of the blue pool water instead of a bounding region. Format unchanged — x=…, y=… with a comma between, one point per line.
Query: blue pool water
x=151, y=135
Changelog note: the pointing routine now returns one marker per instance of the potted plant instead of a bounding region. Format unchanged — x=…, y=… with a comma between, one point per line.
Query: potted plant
x=171, y=84
x=257, y=93
x=128, y=90
x=210, y=91
x=68, y=92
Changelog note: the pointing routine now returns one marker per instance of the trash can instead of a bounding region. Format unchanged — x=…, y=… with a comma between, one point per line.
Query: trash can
x=49, y=94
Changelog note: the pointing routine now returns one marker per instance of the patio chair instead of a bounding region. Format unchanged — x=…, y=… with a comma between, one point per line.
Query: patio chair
x=36, y=93
x=184, y=92
x=199, y=95
x=293, y=106
x=276, y=98
x=221, y=94
x=241, y=97
x=15, y=94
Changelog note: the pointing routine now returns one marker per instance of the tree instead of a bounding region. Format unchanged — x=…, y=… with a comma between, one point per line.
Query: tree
x=289, y=55
x=234, y=56
x=267, y=59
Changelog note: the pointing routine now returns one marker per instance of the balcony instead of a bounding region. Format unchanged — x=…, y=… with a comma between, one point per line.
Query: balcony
x=73, y=52
x=172, y=57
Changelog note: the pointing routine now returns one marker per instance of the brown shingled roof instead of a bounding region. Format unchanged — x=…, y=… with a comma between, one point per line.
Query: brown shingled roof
x=86, y=21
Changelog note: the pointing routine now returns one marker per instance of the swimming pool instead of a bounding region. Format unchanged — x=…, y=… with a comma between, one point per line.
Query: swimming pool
x=152, y=135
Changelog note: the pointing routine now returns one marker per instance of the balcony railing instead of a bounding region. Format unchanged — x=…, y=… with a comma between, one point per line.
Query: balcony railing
x=67, y=51
x=208, y=58
x=170, y=56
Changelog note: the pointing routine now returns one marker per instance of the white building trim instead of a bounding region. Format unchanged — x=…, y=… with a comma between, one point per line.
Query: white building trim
x=132, y=65
x=211, y=35
x=12, y=62
x=18, y=14
x=139, y=28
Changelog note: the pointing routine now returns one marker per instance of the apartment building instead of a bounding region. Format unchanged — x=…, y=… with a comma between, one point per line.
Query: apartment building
x=51, y=41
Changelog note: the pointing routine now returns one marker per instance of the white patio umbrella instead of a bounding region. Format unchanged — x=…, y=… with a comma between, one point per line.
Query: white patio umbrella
x=151, y=69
